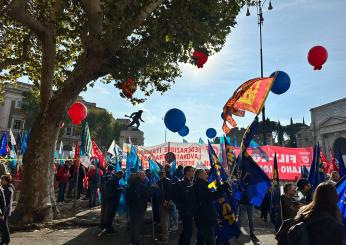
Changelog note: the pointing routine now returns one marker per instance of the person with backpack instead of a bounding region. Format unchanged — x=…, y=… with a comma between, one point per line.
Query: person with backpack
x=318, y=223
x=205, y=213
x=137, y=197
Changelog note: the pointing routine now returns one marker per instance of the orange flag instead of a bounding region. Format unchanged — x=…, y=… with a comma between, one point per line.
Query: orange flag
x=250, y=96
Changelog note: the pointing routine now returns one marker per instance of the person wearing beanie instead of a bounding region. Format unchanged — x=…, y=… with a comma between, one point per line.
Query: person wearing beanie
x=304, y=191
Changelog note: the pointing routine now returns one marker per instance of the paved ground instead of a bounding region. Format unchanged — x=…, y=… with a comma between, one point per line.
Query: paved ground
x=88, y=236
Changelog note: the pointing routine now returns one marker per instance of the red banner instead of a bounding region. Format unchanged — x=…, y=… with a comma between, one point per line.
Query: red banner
x=289, y=160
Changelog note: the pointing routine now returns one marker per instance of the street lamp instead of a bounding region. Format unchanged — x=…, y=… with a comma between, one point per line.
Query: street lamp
x=259, y=6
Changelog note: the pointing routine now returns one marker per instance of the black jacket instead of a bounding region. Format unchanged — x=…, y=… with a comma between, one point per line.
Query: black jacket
x=137, y=196
x=2, y=202
x=165, y=186
x=206, y=212
x=8, y=193
x=324, y=229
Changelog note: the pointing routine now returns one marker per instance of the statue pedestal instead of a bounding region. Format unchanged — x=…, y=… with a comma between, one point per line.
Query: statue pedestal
x=136, y=136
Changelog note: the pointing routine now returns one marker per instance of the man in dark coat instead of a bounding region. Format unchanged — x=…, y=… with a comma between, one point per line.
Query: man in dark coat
x=110, y=191
x=206, y=214
x=165, y=205
x=186, y=215
x=137, y=196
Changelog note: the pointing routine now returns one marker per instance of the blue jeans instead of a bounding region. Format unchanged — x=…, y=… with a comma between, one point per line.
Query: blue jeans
x=92, y=196
x=61, y=194
x=248, y=208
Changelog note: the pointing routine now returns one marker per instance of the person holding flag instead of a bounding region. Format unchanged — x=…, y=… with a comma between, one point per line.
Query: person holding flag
x=253, y=182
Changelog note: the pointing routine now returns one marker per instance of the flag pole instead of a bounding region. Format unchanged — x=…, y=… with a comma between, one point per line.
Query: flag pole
x=152, y=217
x=76, y=186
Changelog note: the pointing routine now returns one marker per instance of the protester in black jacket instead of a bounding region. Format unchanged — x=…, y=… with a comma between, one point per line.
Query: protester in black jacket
x=165, y=205
x=8, y=191
x=184, y=212
x=110, y=192
x=206, y=213
x=137, y=197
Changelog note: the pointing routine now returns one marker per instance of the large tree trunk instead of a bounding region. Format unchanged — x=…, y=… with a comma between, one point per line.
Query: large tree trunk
x=37, y=200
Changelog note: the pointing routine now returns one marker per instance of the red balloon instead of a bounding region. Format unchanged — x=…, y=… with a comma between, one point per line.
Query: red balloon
x=317, y=56
x=128, y=88
x=200, y=58
x=77, y=112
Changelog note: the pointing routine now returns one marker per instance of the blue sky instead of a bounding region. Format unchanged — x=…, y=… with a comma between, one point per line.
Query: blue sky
x=290, y=30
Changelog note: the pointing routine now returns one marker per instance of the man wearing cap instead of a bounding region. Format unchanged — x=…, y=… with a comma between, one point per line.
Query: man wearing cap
x=304, y=191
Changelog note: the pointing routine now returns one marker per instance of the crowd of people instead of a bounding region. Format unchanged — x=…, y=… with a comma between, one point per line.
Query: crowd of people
x=185, y=199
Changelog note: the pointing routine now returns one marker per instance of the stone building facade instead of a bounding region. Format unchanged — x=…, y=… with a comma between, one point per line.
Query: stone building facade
x=328, y=127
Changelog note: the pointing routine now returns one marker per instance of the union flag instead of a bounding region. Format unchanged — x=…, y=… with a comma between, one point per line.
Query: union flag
x=250, y=96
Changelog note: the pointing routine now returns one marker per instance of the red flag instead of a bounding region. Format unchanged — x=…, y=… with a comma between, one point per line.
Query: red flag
x=335, y=166
x=76, y=155
x=98, y=153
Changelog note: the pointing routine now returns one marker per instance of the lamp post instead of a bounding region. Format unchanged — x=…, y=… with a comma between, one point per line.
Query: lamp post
x=259, y=6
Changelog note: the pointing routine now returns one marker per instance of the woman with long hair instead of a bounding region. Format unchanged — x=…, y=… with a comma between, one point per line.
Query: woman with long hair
x=323, y=217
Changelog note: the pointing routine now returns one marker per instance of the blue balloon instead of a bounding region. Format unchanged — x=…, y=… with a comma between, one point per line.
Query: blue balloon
x=282, y=82
x=211, y=133
x=223, y=116
x=184, y=131
x=174, y=120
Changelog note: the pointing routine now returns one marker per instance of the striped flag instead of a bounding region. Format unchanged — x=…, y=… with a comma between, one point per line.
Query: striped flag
x=86, y=148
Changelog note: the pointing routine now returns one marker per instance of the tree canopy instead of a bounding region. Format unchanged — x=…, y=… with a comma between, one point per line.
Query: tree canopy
x=145, y=40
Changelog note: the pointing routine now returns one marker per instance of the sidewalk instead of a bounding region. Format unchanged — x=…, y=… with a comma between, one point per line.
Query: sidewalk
x=66, y=233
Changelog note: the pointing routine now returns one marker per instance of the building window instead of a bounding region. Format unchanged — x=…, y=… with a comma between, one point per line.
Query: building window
x=18, y=104
x=68, y=131
x=17, y=124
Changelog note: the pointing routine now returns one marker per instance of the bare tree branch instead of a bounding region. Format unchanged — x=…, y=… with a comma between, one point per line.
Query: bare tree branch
x=92, y=34
x=132, y=23
x=17, y=11
x=24, y=56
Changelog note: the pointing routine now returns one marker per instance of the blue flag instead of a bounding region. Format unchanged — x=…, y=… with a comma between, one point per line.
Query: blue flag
x=304, y=171
x=226, y=205
x=217, y=172
x=341, y=190
x=24, y=143
x=3, y=146
x=342, y=168
x=173, y=169
x=253, y=144
x=154, y=172
x=249, y=134
x=252, y=180
x=19, y=141
x=275, y=204
x=138, y=165
x=316, y=174
x=131, y=161
x=235, y=142
x=201, y=142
